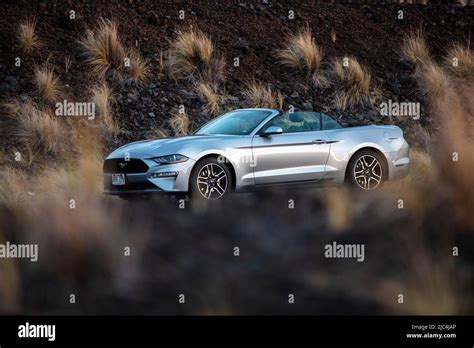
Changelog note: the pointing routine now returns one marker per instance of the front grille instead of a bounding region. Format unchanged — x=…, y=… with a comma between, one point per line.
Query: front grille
x=120, y=165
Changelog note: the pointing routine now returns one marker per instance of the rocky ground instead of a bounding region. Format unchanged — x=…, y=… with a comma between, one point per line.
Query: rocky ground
x=249, y=30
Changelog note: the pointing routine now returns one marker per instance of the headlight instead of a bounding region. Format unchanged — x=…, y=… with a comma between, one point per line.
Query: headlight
x=170, y=159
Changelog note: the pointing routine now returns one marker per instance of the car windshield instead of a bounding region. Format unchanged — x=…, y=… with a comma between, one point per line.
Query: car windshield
x=241, y=122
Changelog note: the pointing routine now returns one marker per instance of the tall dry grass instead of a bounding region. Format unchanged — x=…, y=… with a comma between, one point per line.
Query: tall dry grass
x=190, y=50
x=260, y=95
x=302, y=52
x=211, y=98
x=62, y=207
x=180, y=123
x=459, y=61
x=444, y=90
x=13, y=191
x=103, y=48
x=454, y=149
x=354, y=83
x=158, y=133
x=38, y=131
x=27, y=34
x=192, y=55
x=102, y=97
x=138, y=68
x=439, y=177
x=435, y=79
x=415, y=48
x=437, y=197
x=47, y=85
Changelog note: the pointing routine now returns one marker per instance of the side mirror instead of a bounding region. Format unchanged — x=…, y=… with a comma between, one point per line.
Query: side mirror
x=272, y=130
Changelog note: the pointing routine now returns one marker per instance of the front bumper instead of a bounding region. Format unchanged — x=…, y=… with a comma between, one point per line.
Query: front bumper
x=176, y=179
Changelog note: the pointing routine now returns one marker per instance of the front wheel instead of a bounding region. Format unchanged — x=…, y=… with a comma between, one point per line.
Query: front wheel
x=210, y=180
x=366, y=170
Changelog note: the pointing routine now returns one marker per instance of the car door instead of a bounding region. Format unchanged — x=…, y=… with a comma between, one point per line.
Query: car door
x=300, y=153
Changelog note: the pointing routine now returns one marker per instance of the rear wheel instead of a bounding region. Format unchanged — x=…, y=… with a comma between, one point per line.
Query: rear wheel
x=210, y=180
x=366, y=170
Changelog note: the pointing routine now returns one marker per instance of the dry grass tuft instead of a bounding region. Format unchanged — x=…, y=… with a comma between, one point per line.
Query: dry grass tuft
x=460, y=62
x=354, y=75
x=39, y=131
x=451, y=110
x=355, y=83
x=302, y=52
x=101, y=96
x=433, y=81
x=103, y=48
x=189, y=50
x=13, y=189
x=213, y=73
x=158, y=133
x=262, y=96
x=192, y=54
x=422, y=137
x=342, y=100
x=211, y=97
x=27, y=36
x=422, y=170
x=47, y=85
x=138, y=68
x=179, y=123
x=415, y=48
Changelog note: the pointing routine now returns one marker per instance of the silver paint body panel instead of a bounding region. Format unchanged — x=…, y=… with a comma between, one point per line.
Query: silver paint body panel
x=317, y=156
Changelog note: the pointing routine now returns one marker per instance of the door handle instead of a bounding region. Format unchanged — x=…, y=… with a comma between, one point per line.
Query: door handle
x=319, y=141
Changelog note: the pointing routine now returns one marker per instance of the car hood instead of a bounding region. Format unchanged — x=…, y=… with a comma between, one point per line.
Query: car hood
x=164, y=146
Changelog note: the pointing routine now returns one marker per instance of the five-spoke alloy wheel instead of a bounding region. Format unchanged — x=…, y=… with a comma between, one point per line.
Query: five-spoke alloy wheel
x=210, y=180
x=366, y=170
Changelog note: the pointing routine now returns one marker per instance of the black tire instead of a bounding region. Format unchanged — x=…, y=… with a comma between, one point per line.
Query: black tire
x=214, y=187
x=366, y=170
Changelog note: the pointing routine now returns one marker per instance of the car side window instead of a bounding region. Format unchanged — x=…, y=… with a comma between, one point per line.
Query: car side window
x=296, y=122
x=329, y=122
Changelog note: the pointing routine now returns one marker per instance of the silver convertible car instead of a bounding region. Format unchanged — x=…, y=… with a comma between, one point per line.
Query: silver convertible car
x=251, y=148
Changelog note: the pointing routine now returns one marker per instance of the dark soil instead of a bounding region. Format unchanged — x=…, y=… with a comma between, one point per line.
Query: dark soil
x=250, y=30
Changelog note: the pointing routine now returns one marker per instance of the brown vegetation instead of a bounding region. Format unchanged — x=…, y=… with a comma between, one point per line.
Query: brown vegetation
x=27, y=34
x=262, y=96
